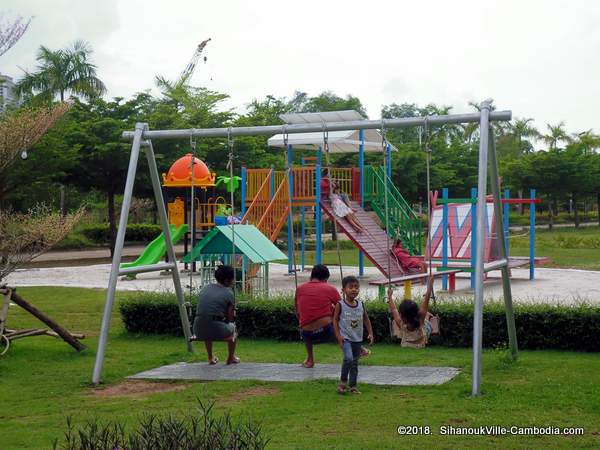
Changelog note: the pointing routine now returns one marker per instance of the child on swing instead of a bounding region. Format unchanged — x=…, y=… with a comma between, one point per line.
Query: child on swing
x=414, y=324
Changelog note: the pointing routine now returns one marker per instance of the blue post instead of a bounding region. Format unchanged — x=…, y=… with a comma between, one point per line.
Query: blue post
x=303, y=230
x=445, y=238
x=473, y=235
x=361, y=165
x=318, y=250
x=532, y=235
x=388, y=155
x=244, y=190
x=290, y=227
x=506, y=218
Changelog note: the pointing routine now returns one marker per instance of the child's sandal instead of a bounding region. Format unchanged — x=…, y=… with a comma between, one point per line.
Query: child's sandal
x=354, y=390
x=342, y=389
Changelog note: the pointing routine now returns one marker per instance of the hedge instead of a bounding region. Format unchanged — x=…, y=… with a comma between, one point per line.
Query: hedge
x=136, y=232
x=538, y=326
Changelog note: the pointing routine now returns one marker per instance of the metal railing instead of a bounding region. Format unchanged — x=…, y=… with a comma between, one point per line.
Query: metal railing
x=403, y=222
x=276, y=212
x=255, y=180
x=260, y=200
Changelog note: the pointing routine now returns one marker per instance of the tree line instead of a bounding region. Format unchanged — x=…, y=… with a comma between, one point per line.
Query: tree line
x=85, y=153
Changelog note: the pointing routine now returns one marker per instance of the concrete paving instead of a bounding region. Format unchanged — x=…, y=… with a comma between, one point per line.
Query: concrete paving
x=553, y=286
x=381, y=375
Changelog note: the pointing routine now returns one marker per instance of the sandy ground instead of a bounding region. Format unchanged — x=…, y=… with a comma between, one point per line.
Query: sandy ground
x=555, y=286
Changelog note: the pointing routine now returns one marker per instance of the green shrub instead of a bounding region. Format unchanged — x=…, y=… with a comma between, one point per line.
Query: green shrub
x=136, y=232
x=538, y=326
x=344, y=245
x=564, y=241
x=192, y=432
x=75, y=240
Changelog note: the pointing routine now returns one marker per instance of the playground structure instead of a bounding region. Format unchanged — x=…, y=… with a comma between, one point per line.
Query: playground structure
x=188, y=181
x=142, y=137
x=269, y=197
x=266, y=202
x=453, y=234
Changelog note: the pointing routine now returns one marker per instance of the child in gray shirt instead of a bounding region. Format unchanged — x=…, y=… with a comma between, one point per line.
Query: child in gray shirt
x=348, y=320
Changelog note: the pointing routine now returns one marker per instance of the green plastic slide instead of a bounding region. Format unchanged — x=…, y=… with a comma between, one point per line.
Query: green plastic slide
x=154, y=252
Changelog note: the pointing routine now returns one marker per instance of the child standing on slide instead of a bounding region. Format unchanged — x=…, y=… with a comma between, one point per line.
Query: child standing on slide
x=348, y=320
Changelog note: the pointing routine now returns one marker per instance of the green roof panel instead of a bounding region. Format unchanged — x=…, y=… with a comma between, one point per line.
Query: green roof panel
x=248, y=240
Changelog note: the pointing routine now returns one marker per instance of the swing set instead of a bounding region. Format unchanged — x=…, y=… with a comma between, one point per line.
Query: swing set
x=142, y=138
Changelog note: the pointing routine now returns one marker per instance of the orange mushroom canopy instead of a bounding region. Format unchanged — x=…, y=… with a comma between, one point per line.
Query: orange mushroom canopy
x=180, y=173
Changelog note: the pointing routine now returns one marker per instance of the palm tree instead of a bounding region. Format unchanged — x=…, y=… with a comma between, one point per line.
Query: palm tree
x=587, y=140
x=63, y=71
x=556, y=134
x=520, y=129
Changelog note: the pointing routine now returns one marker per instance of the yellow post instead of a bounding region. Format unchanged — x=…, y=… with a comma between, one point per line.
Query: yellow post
x=407, y=290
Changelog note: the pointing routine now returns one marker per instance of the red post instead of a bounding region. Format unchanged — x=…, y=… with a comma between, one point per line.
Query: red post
x=356, y=184
x=452, y=282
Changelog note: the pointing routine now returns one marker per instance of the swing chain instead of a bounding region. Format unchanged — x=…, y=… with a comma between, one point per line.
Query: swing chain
x=384, y=150
x=427, y=136
x=331, y=184
x=290, y=205
x=285, y=136
x=193, y=141
x=192, y=208
x=230, y=155
x=428, y=151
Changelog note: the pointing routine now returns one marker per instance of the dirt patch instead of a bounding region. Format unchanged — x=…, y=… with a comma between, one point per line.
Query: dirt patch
x=138, y=388
x=258, y=391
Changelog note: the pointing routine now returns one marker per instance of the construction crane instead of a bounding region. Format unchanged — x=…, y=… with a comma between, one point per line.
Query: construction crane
x=189, y=69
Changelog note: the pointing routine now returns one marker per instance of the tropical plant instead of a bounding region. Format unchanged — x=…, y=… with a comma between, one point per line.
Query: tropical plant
x=556, y=134
x=588, y=141
x=61, y=72
x=521, y=129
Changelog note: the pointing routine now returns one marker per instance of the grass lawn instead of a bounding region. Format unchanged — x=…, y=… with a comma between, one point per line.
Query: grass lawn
x=43, y=381
x=577, y=248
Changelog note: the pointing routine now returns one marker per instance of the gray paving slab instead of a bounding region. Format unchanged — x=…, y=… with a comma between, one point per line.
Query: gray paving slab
x=381, y=375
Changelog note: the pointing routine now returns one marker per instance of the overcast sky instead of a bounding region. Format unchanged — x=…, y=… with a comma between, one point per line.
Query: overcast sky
x=541, y=59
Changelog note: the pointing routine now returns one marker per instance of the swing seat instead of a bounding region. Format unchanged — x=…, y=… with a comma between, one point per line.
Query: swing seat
x=433, y=319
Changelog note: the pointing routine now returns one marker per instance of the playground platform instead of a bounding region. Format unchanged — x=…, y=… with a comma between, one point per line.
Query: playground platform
x=380, y=375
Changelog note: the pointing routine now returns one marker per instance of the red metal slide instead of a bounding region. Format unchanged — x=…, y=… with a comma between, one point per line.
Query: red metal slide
x=372, y=242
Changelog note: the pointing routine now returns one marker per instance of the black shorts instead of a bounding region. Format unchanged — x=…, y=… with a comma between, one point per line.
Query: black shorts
x=320, y=335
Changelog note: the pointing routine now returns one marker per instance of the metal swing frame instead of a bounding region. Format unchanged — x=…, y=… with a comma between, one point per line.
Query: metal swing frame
x=142, y=137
